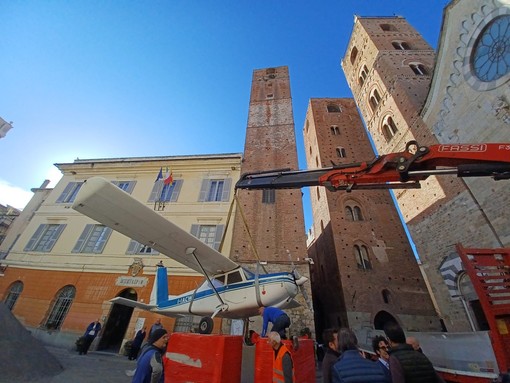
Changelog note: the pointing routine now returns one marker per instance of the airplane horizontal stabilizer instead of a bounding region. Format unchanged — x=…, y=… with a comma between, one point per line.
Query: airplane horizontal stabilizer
x=144, y=306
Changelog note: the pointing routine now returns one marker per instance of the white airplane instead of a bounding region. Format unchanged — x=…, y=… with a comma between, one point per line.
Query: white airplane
x=229, y=290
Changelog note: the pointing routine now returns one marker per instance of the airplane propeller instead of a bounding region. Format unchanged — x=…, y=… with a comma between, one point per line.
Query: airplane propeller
x=300, y=282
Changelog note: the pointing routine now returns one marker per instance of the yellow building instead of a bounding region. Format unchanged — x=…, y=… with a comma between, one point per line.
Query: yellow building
x=61, y=268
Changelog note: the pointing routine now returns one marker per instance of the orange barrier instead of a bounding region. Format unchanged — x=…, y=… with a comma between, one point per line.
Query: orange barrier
x=203, y=358
x=303, y=358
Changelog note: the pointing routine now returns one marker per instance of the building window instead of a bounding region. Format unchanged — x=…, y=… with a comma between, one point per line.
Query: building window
x=211, y=235
x=44, y=238
x=333, y=108
x=353, y=213
x=418, y=69
x=127, y=186
x=13, y=295
x=270, y=71
x=216, y=190
x=354, y=54
x=375, y=99
x=69, y=193
x=363, y=75
x=401, y=45
x=93, y=239
x=335, y=130
x=268, y=196
x=62, y=304
x=388, y=27
x=386, y=296
x=162, y=192
x=340, y=152
x=361, y=254
x=186, y=323
x=389, y=129
x=136, y=247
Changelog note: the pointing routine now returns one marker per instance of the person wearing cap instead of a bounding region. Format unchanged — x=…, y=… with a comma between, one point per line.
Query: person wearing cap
x=149, y=368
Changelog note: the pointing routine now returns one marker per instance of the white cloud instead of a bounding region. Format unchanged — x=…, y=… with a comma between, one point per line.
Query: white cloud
x=18, y=197
x=14, y=195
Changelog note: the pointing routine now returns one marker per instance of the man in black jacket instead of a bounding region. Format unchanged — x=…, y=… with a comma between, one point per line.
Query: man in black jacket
x=331, y=354
x=406, y=364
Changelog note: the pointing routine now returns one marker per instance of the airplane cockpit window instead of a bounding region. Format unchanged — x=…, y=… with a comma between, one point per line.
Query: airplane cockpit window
x=217, y=281
x=248, y=274
x=234, y=277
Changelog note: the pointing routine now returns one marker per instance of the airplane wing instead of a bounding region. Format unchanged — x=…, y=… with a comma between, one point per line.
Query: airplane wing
x=106, y=203
x=143, y=306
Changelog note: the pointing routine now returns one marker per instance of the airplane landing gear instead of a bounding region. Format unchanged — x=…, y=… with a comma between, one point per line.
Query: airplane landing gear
x=206, y=325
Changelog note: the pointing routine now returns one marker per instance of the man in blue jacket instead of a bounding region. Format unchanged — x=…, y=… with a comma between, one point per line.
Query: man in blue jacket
x=149, y=368
x=351, y=367
x=277, y=317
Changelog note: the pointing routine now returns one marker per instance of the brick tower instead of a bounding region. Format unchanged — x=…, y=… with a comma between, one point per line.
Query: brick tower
x=389, y=67
x=274, y=219
x=364, y=272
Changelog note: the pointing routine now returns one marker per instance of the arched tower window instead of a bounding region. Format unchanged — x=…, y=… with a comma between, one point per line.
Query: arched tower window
x=375, y=99
x=388, y=27
x=363, y=75
x=401, y=45
x=362, y=258
x=357, y=213
x=335, y=131
x=340, y=152
x=61, y=305
x=389, y=129
x=13, y=295
x=354, y=54
x=333, y=108
x=349, y=214
x=419, y=69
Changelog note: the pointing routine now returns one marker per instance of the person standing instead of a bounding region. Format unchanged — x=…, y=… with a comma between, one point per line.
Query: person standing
x=157, y=325
x=415, y=344
x=283, y=366
x=330, y=339
x=351, y=366
x=91, y=332
x=149, y=367
x=137, y=343
x=406, y=364
x=277, y=317
x=380, y=346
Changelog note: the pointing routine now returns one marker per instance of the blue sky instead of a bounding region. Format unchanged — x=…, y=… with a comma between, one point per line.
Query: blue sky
x=96, y=79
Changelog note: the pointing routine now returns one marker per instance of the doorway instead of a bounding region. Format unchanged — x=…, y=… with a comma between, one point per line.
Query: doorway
x=117, y=323
x=381, y=318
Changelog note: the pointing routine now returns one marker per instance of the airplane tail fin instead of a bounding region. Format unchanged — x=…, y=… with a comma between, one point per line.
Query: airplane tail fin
x=160, y=289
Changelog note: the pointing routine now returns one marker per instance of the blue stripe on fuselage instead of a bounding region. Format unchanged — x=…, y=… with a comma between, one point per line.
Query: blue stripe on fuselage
x=263, y=280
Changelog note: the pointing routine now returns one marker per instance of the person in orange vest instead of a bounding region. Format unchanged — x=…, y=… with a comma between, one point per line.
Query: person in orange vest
x=283, y=366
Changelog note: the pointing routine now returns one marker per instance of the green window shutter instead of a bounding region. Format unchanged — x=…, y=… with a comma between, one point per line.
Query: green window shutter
x=101, y=243
x=218, y=236
x=176, y=191
x=194, y=230
x=51, y=242
x=204, y=190
x=83, y=238
x=31, y=243
x=225, y=196
x=156, y=191
x=133, y=247
x=68, y=189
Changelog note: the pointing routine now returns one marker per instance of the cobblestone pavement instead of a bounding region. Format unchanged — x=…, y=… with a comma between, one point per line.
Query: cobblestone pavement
x=94, y=367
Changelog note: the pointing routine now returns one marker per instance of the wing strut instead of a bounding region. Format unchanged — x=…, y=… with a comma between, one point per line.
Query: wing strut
x=223, y=306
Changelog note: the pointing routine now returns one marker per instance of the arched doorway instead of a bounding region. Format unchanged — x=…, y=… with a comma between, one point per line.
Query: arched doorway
x=381, y=318
x=117, y=323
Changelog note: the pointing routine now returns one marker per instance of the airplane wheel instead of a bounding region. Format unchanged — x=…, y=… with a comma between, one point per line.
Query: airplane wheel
x=206, y=325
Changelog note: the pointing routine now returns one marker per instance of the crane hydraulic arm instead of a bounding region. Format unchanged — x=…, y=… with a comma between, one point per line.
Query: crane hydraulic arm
x=400, y=170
